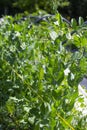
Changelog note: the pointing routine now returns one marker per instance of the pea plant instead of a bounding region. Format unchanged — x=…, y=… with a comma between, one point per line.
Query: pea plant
x=41, y=66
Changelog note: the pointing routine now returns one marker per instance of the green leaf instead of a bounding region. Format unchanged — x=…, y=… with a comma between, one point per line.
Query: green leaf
x=81, y=21
x=73, y=23
x=10, y=106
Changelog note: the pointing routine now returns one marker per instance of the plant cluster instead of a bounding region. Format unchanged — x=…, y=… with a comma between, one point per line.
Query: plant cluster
x=41, y=66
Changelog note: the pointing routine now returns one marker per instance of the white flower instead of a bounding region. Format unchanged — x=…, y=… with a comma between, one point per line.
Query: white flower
x=68, y=36
x=44, y=67
x=56, y=23
x=84, y=112
x=17, y=34
x=72, y=76
x=23, y=46
x=1, y=20
x=66, y=71
x=12, y=48
x=53, y=35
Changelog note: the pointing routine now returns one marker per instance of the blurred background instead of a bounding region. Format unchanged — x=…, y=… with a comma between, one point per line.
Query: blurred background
x=68, y=8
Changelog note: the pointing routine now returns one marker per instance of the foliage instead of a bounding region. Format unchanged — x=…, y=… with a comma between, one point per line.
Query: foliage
x=68, y=8
x=15, y=6
x=50, y=6
x=39, y=75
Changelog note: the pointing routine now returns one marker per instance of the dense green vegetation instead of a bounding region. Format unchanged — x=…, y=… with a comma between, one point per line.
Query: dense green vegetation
x=12, y=7
x=50, y=6
x=41, y=65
